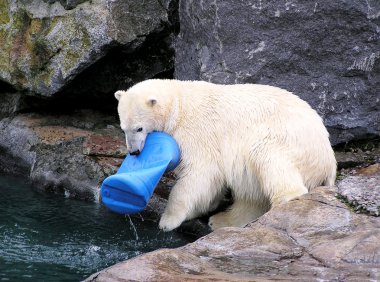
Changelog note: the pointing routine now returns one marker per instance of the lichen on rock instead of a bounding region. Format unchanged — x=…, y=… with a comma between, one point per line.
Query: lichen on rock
x=46, y=45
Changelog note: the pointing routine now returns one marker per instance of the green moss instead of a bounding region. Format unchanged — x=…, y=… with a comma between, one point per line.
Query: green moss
x=41, y=55
x=19, y=77
x=340, y=176
x=73, y=55
x=4, y=50
x=354, y=208
x=41, y=51
x=21, y=21
x=4, y=16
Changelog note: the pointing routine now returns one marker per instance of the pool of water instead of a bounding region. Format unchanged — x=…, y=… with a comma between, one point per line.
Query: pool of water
x=44, y=237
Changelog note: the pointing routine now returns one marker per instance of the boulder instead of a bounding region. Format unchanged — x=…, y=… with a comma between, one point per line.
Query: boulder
x=46, y=44
x=64, y=153
x=327, y=52
x=312, y=238
x=362, y=190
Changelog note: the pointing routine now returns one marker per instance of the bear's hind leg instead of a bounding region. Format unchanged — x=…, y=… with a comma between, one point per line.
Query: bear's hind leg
x=239, y=214
x=280, y=180
x=288, y=193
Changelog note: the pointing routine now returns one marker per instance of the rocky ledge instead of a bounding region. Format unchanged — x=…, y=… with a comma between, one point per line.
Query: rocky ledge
x=316, y=237
x=67, y=153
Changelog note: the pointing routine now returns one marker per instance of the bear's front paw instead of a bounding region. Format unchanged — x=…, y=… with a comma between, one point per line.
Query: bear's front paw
x=169, y=222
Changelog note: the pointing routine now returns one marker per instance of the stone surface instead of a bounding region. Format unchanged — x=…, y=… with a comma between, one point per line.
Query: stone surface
x=326, y=52
x=362, y=190
x=46, y=44
x=312, y=238
x=51, y=149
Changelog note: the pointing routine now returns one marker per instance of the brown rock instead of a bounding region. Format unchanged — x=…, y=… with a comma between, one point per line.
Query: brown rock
x=105, y=146
x=370, y=170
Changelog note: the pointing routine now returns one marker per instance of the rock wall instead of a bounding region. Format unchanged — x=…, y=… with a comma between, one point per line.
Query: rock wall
x=327, y=52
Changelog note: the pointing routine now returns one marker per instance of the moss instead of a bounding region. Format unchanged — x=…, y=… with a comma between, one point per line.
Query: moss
x=4, y=51
x=18, y=45
x=354, y=207
x=21, y=21
x=41, y=55
x=19, y=76
x=4, y=16
x=73, y=55
x=40, y=50
x=28, y=47
x=340, y=176
x=26, y=53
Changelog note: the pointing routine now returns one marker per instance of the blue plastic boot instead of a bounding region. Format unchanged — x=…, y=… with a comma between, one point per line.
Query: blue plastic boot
x=129, y=190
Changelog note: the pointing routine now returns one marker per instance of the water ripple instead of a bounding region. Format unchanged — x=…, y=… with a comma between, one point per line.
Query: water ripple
x=47, y=237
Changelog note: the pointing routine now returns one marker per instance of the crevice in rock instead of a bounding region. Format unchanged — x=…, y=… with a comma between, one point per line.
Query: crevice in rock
x=356, y=154
x=325, y=203
x=361, y=144
x=119, y=69
x=67, y=4
x=6, y=88
x=317, y=259
x=173, y=13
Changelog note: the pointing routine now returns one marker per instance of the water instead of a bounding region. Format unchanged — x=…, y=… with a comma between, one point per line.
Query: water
x=45, y=237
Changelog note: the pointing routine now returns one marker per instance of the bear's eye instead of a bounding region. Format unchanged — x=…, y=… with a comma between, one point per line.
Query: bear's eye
x=139, y=129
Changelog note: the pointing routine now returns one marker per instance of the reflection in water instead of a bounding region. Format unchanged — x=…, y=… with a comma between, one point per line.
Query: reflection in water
x=45, y=237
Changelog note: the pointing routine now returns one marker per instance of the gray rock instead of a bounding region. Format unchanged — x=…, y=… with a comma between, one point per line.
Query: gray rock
x=46, y=45
x=362, y=190
x=313, y=238
x=326, y=52
x=49, y=150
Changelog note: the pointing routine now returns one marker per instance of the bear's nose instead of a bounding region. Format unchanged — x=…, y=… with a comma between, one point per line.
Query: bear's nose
x=135, y=153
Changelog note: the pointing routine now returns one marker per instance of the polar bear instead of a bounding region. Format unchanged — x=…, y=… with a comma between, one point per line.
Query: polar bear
x=264, y=143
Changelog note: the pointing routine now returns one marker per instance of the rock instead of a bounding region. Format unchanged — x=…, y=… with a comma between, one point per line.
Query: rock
x=46, y=44
x=314, y=237
x=325, y=52
x=104, y=146
x=357, y=153
x=50, y=150
x=362, y=190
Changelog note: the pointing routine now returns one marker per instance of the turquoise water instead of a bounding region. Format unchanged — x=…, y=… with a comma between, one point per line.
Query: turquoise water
x=45, y=237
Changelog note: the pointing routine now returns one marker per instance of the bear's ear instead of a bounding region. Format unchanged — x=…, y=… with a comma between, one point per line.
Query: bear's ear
x=151, y=101
x=118, y=94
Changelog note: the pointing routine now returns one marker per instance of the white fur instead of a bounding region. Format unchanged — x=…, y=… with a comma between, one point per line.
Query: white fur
x=263, y=142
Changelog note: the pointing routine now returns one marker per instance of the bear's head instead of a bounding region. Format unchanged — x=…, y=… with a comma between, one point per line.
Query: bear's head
x=142, y=109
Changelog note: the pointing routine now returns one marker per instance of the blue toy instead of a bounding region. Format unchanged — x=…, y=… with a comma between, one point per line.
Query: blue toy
x=129, y=190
